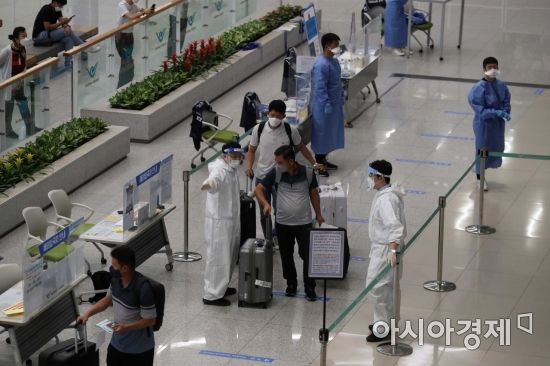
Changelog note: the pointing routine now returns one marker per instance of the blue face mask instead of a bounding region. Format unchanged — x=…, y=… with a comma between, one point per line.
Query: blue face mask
x=115, y=273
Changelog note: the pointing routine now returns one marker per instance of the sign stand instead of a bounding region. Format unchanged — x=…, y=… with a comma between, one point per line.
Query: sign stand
x=326, y=261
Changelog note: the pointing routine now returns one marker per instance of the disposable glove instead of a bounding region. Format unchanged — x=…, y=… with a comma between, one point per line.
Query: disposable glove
x=328, y=109
x=391, y=258
x=507, y=116
x=208, y=184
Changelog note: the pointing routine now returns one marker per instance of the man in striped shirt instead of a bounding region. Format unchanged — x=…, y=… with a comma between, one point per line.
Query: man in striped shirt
x=134, y=312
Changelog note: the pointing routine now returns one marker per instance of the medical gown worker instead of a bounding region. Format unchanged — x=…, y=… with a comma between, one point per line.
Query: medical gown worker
x=327, y=103
x=387, y=231
x=490, y=100
x=222, y=226
x=395, y=26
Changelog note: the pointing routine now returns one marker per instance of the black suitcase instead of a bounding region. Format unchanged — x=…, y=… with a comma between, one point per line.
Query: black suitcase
x=248, y=215
x=64, y=353
x=256, y=271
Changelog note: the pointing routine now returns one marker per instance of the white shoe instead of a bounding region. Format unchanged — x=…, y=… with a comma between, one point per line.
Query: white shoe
x=411, y=52
x=398, y=52
x=485, y=185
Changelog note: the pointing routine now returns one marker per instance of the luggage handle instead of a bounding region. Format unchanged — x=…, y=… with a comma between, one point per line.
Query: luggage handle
x=268, y=233
x=77, y=336
x=248, y=186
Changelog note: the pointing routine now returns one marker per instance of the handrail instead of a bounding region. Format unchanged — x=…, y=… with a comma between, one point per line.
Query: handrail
x=112, y=32
x=31, y=71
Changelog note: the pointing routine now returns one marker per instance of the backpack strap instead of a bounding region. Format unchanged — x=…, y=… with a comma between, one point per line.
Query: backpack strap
x=288, y=131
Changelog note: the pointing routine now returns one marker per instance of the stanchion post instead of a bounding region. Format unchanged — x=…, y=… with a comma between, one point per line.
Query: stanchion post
x=395, y=348
x=439, y=285
x=324, y=332
x=479, y=228
x=461, y=24
x=186, y=255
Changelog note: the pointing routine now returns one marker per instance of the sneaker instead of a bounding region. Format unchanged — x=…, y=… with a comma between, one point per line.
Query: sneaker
x=218, y=302
x=398, y=52
x=291, y=290
x=485, y=185
x=331, y=166
x=230, y=291
x=12, y=135
x=323, y=173
x=373, y=338
x=310, y=294
x=411, y=52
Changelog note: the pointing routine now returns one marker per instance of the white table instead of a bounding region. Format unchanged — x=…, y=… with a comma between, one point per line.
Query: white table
x=147, y=240
x=31, y=331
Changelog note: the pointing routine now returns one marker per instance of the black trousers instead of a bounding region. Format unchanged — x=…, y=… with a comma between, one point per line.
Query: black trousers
x=124, y=43
x=117, y=358
x=287, y=235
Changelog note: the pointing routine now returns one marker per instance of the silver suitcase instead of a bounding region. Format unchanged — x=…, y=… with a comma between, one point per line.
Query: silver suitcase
x=256, y=271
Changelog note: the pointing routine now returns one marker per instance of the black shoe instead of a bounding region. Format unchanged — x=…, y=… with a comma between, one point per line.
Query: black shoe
x=331, y=166
x=291, y=290
x=370, y=327
x=218, y=302
x=310, y=294
x=373, y=338
x=323, y=173
x=12, y=135
x=230, y=291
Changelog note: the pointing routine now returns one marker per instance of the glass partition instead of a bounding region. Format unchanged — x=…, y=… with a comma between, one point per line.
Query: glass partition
x=25, y=104
x=123, y=55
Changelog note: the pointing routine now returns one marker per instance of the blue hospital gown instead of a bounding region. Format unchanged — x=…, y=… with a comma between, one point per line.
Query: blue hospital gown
x=485, y=98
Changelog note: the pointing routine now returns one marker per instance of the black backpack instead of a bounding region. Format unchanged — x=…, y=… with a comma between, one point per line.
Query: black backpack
x=249, y=114
x=159, y=294
x=288, y=131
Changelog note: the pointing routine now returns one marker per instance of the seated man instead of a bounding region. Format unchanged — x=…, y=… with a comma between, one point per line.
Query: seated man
x=51, y=25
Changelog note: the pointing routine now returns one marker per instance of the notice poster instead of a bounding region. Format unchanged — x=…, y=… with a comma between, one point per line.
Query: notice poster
x=312, y=31
x=326, y=253
x=166, y=180
x=32, y=285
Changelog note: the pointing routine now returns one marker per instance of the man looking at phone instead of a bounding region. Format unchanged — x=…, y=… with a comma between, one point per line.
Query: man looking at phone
x=51, y=26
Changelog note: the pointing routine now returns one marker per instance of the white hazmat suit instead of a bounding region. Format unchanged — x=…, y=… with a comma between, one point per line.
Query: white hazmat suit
x=222, y=228
x=386, y=225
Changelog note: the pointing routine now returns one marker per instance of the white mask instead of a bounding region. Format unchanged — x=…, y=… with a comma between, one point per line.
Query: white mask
x=274, y=122
x=234, y=163
x=493, y=73
x=58, y=9
x=370, y=183
x=336, y=50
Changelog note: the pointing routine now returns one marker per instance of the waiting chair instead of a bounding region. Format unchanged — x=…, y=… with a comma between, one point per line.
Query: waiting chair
x=37, y=231
x=205, y=128
x=424, y=27
x=63, y=211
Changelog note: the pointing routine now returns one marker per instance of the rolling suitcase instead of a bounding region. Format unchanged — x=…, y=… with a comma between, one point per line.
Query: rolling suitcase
x=334, y=207
x=248, y=215
x=72, y=352
x=256, y=271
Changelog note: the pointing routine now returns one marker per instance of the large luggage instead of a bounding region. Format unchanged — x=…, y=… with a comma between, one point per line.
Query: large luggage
x=72, y=352
x=248, y=215
x=334, y=207
x=256, y=271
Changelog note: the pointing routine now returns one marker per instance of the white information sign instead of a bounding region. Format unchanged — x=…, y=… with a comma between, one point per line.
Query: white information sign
x=326, y=253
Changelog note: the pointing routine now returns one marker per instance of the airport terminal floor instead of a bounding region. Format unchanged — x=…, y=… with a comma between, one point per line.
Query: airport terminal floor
x=423, y=126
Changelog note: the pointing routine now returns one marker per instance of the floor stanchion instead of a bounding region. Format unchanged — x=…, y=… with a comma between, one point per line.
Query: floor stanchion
x=439, y=285
x=479, y=228
x=186, y=255
x=394, y=348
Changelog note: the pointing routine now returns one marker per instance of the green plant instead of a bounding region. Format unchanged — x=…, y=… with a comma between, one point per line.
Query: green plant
x=198, y=58
x=23, y=163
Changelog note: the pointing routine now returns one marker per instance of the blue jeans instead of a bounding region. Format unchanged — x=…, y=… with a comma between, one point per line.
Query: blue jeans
x=271, y=196
x=58, y=35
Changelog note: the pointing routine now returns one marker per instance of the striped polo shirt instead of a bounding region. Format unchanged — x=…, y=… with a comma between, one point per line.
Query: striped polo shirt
x=130, y=304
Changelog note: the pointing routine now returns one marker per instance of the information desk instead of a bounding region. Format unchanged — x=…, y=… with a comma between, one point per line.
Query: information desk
x=30, y=332
x=147, y=240
x=355, y=84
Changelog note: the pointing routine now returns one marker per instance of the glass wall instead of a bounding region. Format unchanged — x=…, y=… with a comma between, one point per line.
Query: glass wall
x=25, y=104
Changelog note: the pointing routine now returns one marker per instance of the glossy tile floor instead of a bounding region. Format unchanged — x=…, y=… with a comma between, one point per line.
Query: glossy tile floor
x=424, y=128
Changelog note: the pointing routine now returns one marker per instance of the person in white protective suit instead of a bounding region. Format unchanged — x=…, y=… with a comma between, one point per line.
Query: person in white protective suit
x=387, y=231
x=222, y=227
